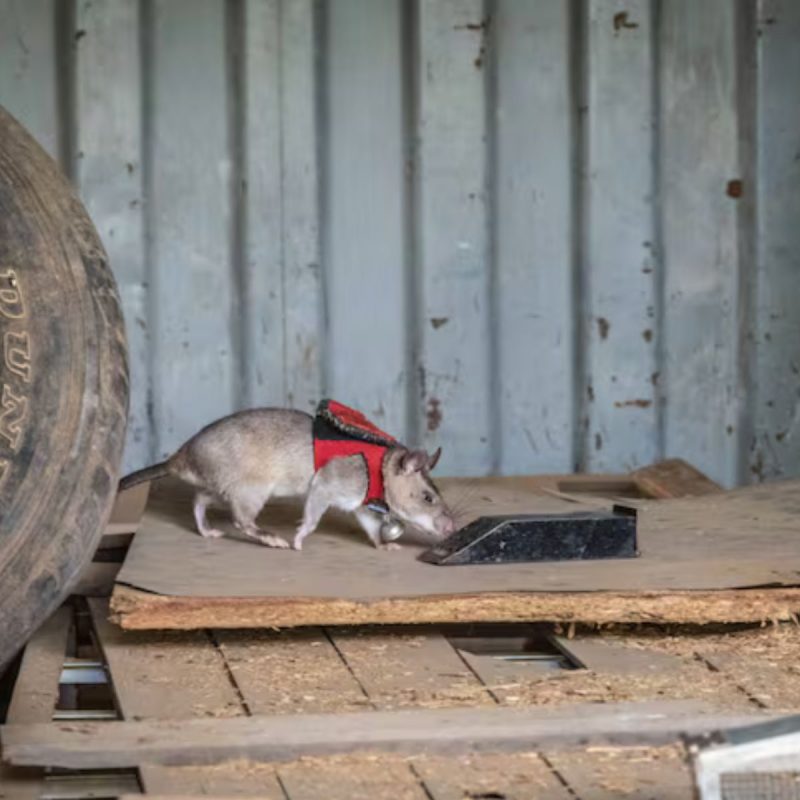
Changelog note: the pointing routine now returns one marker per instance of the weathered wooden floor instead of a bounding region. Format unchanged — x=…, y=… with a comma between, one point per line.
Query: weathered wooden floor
x=216, y=675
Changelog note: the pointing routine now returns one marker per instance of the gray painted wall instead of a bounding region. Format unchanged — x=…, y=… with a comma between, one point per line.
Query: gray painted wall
x=547, y=235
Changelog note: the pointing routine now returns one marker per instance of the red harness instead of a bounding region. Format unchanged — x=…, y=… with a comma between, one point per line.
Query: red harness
x=339, y=432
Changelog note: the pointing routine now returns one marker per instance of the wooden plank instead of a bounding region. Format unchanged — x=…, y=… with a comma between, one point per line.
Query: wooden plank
x=619, y=250
x=597, y=655
x=302, y=270
x=512, y=777
x=234, y=779
x=533, y=190
x=108, y=174
x=632, y=773
x=80, y=787
x=698, y=555
x=352, y=778
x=673, y=478
x=401, y=666
x=699, y=158
x=365, y=225
x=288, y=672
x=36, y=689
x=28, y=59
x=35, y=696
x=776, y=338
x=767, y=682
x=164, y=676
x=189, y=219
x=452, y=239
x=135, y=609
x=284, y=737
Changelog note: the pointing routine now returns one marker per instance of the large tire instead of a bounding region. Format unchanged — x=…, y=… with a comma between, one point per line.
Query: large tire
x=63, y=387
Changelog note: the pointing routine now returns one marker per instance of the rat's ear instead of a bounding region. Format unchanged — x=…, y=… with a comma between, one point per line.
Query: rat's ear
x=413, y=461
x=434, y=459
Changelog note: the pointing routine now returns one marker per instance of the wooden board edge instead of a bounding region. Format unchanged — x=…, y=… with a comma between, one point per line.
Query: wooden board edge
x=673, y=478
x=35, y=695
x=35, y=692
x=282, y=737
x=134, y=609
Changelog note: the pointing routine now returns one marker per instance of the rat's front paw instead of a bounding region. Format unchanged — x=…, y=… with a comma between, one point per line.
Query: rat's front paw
x=391, y=546
x=273, y=541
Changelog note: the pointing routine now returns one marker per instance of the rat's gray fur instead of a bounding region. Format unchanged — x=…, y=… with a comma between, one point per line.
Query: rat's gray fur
x=247, y=458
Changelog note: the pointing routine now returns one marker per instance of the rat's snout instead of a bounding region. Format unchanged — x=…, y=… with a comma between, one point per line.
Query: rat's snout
x=445, y=524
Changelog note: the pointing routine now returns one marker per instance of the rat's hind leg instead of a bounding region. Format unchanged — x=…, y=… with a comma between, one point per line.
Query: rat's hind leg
x=201, y=501
x=246, y=503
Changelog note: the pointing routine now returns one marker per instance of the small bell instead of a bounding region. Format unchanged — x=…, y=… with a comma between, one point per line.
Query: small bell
x=391, y=529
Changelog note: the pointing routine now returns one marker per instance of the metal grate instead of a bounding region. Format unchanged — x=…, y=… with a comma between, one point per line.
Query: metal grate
x=760, y=786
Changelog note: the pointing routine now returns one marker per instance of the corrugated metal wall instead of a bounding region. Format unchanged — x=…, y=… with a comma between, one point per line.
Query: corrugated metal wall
x=544, y=234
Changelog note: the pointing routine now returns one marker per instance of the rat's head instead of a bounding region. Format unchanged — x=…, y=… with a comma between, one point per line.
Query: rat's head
x=412, y=495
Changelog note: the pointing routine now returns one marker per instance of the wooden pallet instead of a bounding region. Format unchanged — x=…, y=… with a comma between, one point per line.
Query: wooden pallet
x=239, y=698
x=397, y=712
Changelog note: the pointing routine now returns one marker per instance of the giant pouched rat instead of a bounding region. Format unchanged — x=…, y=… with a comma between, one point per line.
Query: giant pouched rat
x=247, y=458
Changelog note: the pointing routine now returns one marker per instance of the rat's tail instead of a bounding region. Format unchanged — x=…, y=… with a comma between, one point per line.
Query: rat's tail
x=147, y=474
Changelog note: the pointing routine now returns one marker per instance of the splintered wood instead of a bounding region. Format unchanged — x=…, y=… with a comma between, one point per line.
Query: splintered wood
x=721, y=557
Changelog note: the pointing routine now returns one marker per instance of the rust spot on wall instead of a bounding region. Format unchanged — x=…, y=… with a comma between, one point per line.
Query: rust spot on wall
x=437, y=322
x=621, y=22
x=603, y=326
x=482, y=28
x=477, y=27
x=434, y=413
x=780, y=436
x=638, y=402
x=647, y=335
x=735, y=189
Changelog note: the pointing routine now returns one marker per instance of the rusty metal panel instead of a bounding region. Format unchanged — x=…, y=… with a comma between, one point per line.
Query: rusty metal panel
x=365, y=253
x=545, y=235
x=453, y=334
x=195, y=282
x=700, y=176
x=108, y=174
x=775, y=391
x=534, y=254
x=29, y=62
x=619, y=239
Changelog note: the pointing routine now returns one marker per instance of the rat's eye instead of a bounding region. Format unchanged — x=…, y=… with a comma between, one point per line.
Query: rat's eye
x=428, y=497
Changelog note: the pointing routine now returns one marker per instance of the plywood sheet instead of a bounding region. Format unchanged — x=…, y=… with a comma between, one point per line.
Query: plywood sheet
x=696, y=553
